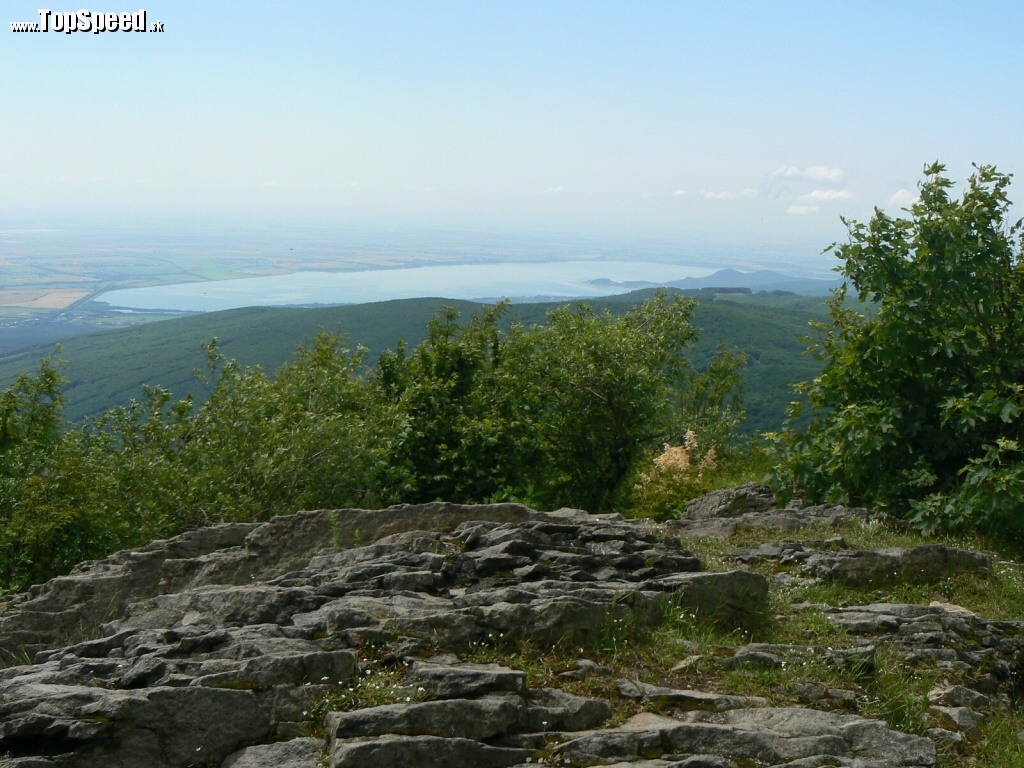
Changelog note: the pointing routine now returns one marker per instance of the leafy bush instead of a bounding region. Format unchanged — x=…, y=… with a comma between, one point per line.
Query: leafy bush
x=605, y=390
x=917, y=409
x=555, y=414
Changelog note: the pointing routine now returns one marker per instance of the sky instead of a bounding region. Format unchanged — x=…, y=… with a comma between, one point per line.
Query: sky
x=764, y=121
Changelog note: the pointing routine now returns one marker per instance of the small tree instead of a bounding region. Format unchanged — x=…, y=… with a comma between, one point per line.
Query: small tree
x=447, y=427
x=607, y=390
x=917, y=409
x=555, y=414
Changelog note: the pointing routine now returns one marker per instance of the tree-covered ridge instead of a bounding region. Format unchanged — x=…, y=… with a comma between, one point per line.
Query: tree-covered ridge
x=108, y=369
x=559, y=413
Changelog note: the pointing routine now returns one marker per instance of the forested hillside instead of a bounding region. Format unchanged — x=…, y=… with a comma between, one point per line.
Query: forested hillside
x=109, y=369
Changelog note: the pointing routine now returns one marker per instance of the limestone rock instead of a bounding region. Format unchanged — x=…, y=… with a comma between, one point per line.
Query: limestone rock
x=477, y=719
x=423, y=752
x=747, y=507
x=227, y=646
x=864, y=568
x=685, y=700
x=774, y=736
x=303, y=752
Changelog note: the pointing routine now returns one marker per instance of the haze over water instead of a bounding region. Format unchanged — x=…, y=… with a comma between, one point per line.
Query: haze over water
x=563, y=279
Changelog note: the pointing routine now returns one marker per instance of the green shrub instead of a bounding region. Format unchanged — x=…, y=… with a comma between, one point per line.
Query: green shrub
x=917, y=409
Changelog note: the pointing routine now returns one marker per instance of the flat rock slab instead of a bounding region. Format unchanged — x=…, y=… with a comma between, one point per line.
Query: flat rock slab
x=685, y=700
x=423, y=752
x=925, y=564
x=296, y=753
x=772, y=736
x=120, y=729
x=196, y=648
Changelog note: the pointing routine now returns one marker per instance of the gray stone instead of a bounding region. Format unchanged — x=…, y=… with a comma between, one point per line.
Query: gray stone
x=156, y=727
x=443, y=681
x=769, y=735
x=684, y=699
x=293, y=669
x=927, y=563
x=221, y=646
x=296, y=753
x=732, y=598
x=959, y=696
x=477, y=719
x=422, y=752
x=549, y=709
x=728, y=511
x=963, y=719
x=730, y=502
x=787, y=551
x=586, y=667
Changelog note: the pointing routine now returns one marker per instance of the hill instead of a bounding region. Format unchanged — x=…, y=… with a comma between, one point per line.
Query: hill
x=756, y=280
x=110, y=368
x=760, y=280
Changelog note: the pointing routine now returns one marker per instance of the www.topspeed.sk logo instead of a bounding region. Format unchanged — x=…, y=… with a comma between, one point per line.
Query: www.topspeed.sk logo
x=87, y=21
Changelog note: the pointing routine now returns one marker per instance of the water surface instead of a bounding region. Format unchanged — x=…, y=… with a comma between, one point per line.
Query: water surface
x=561, y=279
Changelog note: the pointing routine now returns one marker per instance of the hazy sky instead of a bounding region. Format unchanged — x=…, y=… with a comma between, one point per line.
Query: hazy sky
x=755, y=119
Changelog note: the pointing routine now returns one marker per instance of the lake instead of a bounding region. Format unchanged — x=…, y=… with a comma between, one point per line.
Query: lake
x=542, y=280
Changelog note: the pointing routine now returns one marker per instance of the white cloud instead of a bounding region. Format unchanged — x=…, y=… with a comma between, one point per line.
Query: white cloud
x=745, y=194
x=551, y=190
x=802, y=210
x=823, y=195
x=271, y=184
x=677, y=193
x=810, y=173
x=902, y=196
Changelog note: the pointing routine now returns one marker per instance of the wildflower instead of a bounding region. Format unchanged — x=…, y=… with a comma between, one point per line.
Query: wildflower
x=673, y=457
x=710, y=459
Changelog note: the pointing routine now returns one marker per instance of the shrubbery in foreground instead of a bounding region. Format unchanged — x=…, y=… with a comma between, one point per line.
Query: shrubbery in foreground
x=918, y=408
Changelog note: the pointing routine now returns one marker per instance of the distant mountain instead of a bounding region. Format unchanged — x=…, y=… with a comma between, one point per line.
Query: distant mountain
x=758, y=280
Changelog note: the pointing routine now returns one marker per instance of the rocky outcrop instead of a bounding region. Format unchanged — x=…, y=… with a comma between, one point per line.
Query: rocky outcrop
x=831, y=560
x=339, y=638
x=749, y=507
x=192, y=649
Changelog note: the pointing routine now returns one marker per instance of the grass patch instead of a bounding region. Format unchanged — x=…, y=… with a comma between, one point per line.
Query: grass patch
x=376, y=684
x=1001, y=744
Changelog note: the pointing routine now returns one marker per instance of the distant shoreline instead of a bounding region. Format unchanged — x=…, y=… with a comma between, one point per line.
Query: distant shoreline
x=563, y=279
